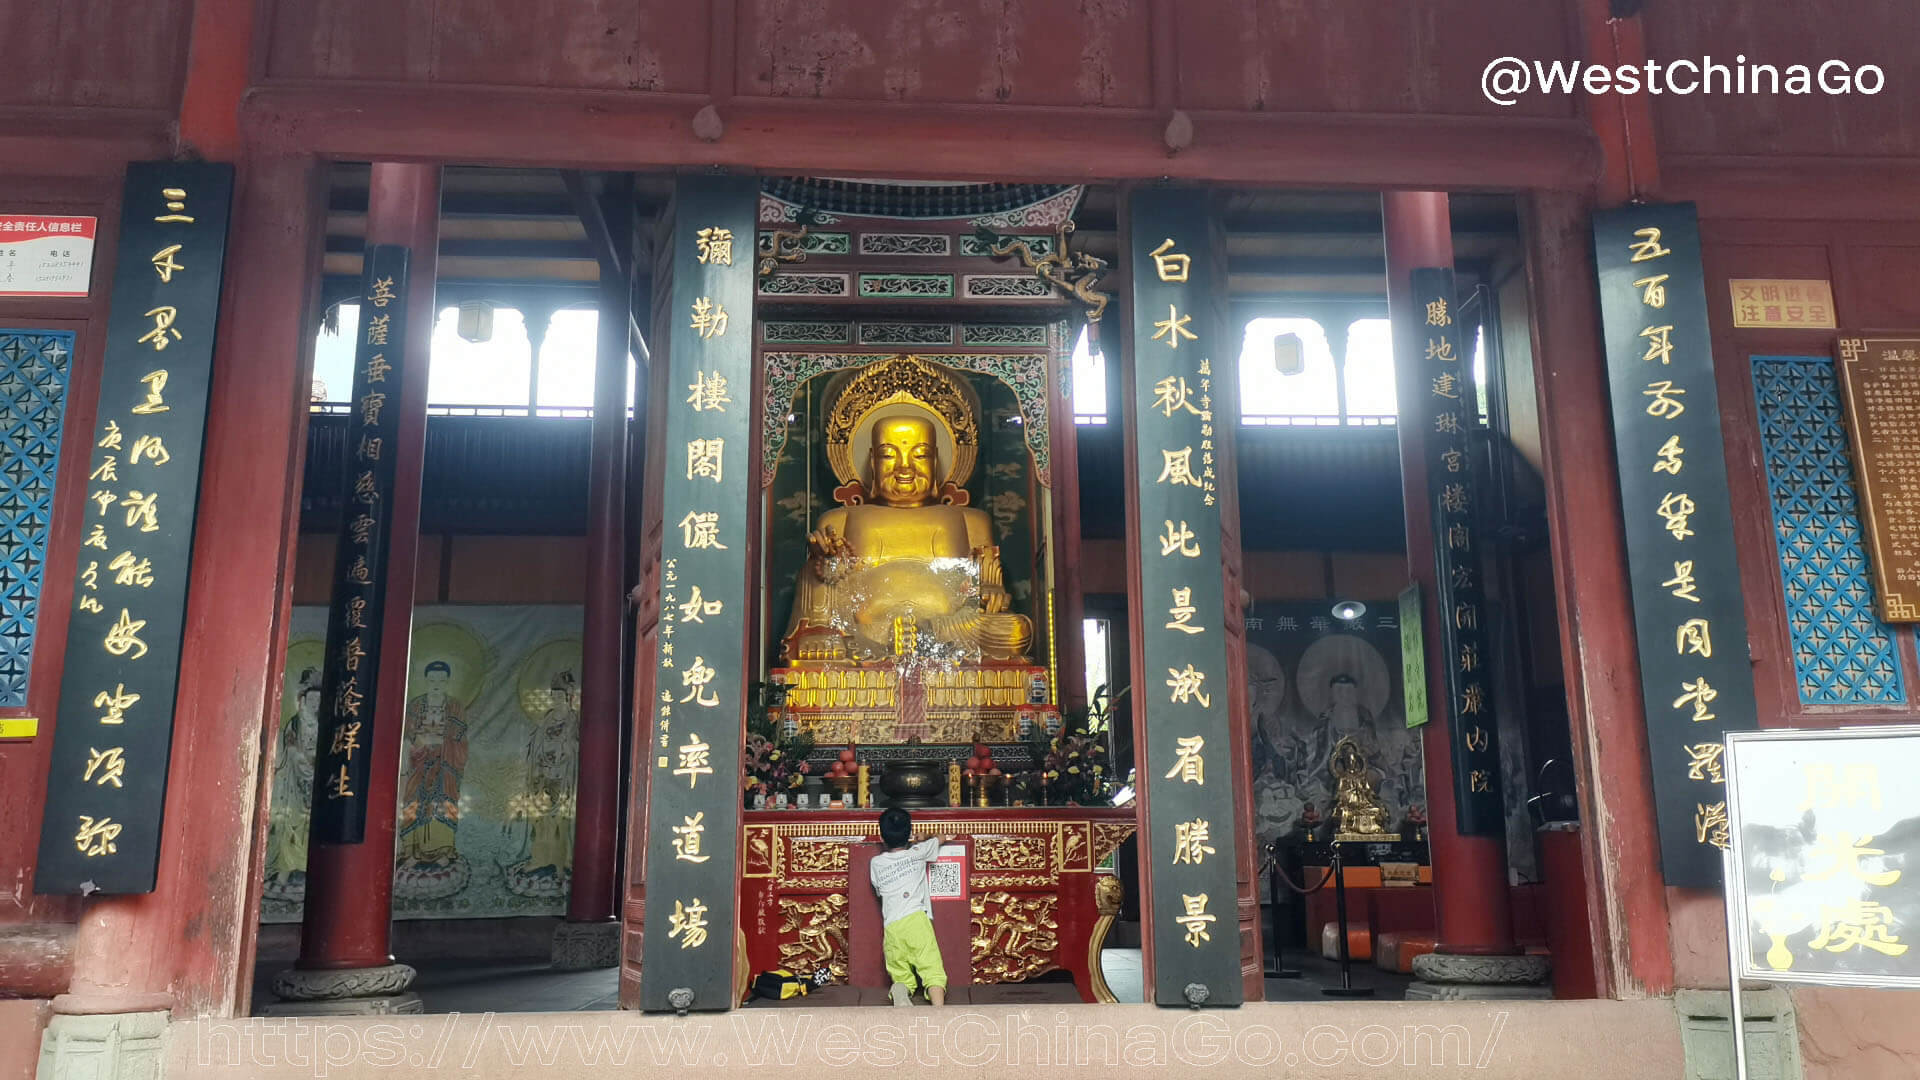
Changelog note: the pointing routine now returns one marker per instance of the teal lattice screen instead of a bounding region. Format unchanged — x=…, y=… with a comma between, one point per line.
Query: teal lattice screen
x=33, y=396
x=1842, y=653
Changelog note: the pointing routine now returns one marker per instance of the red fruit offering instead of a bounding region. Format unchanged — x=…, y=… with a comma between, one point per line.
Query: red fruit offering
x=846, y=756
x=981, y=749
x=973, y=764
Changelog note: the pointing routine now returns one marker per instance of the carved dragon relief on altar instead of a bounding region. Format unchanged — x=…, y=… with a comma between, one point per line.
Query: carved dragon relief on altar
x=819, y=926
x=1015, y=937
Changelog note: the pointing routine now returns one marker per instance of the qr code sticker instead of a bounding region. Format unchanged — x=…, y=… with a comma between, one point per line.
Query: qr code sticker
x=943, y=880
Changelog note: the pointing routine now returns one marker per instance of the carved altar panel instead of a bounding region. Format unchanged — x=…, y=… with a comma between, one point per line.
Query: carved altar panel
x=813, y=934
x=1015, y=937
x=1031, y=853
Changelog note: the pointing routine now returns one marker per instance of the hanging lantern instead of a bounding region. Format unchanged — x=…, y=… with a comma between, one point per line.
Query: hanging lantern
x=475, y=321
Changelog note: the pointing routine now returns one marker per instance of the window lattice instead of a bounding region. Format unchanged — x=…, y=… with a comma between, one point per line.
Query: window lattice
x=33, y=390
x=1842, y=653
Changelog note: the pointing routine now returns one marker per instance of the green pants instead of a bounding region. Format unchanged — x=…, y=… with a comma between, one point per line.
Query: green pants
x=910, y=947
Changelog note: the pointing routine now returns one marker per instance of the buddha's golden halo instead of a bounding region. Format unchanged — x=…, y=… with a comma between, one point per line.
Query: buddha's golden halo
x=857, y=399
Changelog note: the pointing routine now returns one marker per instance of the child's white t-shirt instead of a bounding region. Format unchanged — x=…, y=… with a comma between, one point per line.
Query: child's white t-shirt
x=900, y=878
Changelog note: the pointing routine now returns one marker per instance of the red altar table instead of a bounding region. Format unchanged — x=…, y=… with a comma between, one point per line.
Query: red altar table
x=1035, y=897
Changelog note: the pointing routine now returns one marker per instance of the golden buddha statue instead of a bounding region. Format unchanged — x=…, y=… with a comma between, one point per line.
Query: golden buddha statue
x=903, y=567
x=1357, y=811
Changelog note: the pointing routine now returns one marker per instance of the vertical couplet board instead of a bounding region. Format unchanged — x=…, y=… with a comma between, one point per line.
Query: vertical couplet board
x=359, y=605
x=1450, y=416
x=1695, y=673
x=698, y=714
x=1186, y=759
x=107, y=780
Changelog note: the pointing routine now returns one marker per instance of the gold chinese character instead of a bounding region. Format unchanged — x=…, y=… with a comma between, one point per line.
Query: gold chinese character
x=716, y=246
x=151, y=448
x=697, y=680
x=689, y=924
x=353, y=653
x=709, y=392
x=1697, y=693
x=96, y=837
x=339, y=786
x=1177, y=468
x=1469, y=658
x=89, y=604
x=176, y=199
x=1677, y=509
x=1857, y=924
x=116, y=703
x=377, y=368
x=1453, y=459
x=1446, y=385
x=701, y=529
x=696, y=760
x=156, y=382
x=1195, y=920
x=1476, y=738
x=1169, y=264
x=142, y=509
x=110, y=437
x=364, y=488
x=686, y=838
x=1462, y=577
x=360, y=571
x=1189, y=765
x=1190, y=841
x=1648, y=246
x=1682, y=582
x=1171, y=393
x=131, y=571
x=1186, y=684
x=1441, y=349
x=698, y=606
x=1447, y=423
x=346, y=739
x=1703, y=762
x=109, y=763
x=1653, y=290
x=350, y=698
x=1479, y=780
x=1843, y=854
x=91, y=575
x=357, y=613
x=124, y=636
x=1453, y=498
x=1693, y=636
x=362, y=528
x=709, y=318
x=1437, y=313
x=703, y=459
x=1669, y=454
x=162, y=326
x=1710, y=823
x=370, y=407
x=98, y=537
x=163, y=263
x=1666, y=403
x=108, y=471
x=1182, y=611
x=378, y=327
x=1173, y=328
x=1859, y=783
x=370, y=448
x=1466, y=616
x=1459, y=537
x=1178, y=541
x=1659, y=343
x=382, y=293
x=1473, y=700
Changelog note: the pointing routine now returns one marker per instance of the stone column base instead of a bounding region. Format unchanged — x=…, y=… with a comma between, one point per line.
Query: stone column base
x=103, y=1046
x=344, y=992
x=586, y=946
x=1461, y=977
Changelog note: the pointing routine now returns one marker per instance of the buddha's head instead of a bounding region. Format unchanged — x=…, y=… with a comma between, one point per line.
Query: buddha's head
x=905, y=460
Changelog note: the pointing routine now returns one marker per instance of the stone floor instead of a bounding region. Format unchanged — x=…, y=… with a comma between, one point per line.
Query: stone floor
x=496, y=986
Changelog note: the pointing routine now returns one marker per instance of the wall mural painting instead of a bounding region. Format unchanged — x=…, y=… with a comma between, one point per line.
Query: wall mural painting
x=1312, y=681
x=488, y=767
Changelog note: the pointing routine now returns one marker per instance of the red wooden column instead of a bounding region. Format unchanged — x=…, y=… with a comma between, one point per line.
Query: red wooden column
x=188, y=945
x=1067, y=598
x=590, y=938
x=1476, y=943
x=346, y=959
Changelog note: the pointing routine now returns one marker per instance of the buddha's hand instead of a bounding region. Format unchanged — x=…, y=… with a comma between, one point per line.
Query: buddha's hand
x=830, y=554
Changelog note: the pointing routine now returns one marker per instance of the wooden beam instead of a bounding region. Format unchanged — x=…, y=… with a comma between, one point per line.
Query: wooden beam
x=593, y=218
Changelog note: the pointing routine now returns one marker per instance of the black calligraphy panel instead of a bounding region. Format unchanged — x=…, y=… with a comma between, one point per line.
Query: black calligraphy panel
x=698, y=715
x=354, y=622
x=1695, y=673
x=107, y=780
x=1186, y=762
x=1448, y=418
